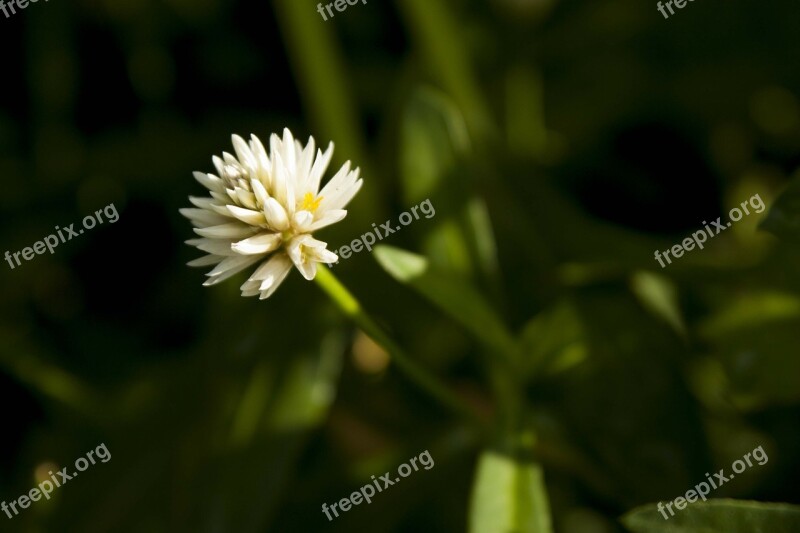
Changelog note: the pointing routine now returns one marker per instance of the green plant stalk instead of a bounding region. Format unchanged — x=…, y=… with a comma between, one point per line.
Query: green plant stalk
x=424, y=380
x=506, y=393
x=435, y=34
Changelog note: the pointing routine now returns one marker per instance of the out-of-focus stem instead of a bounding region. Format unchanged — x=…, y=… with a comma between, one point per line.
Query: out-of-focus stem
x=421, y=377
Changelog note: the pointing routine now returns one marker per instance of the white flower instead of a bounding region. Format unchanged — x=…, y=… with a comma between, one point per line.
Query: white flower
x=264, y=208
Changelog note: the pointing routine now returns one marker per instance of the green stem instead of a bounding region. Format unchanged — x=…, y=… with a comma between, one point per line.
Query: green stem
x=352, y=308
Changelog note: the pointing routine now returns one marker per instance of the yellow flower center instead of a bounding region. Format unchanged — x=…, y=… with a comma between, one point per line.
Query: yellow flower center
x=310, y=203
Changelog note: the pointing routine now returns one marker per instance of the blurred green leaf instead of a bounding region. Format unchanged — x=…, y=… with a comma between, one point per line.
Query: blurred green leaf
x=433, y=136
x=525, y=127
x=25, y=360
x=717, y=516
x=783, y=219
x=508, y=495
x=455, y=297
x=750, y=309
x=554, y=340
x=754, y=336
x=482, y=232
x=659, y=296
x=308, y=389
x=435, y=32
x=433, y=139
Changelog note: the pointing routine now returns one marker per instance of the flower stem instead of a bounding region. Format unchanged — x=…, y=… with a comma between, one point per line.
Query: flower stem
x=421, y=377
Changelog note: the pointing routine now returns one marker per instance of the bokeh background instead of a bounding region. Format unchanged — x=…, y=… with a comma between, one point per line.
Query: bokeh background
x=561, y=141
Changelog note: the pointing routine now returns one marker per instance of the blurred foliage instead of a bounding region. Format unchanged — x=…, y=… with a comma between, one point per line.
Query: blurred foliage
x=561, y=144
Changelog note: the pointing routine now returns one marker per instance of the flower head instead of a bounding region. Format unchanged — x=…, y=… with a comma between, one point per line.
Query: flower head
x=263, y=209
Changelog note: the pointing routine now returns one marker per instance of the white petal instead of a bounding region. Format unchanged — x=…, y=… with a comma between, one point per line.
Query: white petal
x=250, y=288
x=209, y=181
x=340, y=189
x=221, y=197
x=337, y=181
x=250, y=285
x=254, y=218
x=302, y=220
x=220, y=247
x=348, y=194
x=315, y=250
x=276, y=215
x=257, y=147
x=328, y=218
x=233, y=230
x=284, y=186
x=298, y=254
x=230, y=160
x=341, y=181
x=246, y=198
x=311, y=242
x=230, y=267
x=308, y=269
x=228, y=264
x=305, y=158
x=289, y=156
x=323, y=255
x=271, y=268
x=260, y=192
x=243, y=153
x=202, y=217
x=270, y=275
x=206, y=260
x=218, y=164
x=260, y=244
x=266, y=292
x=242, y=197
x=221, y=210
x=318, y=170
x=201, y=202
x=294, y=247
x=275, y=147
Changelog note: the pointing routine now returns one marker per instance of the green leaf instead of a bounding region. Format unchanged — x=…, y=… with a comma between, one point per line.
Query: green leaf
x=454, y=296
x=508, y=496
x=525, y=125
x=783, y=219
x=554, y=340
x=447, y=247
x=750, y=309
x=309, y=388
x=436, y=33
x=715, y=516
x=432, y=138
x=659, y=296
x=754, y=336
